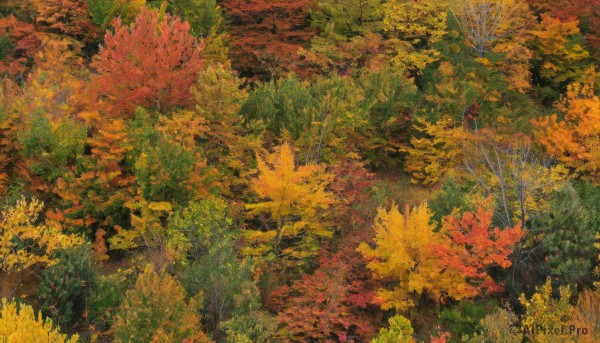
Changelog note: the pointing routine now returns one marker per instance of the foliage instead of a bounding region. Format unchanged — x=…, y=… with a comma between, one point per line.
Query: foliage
x=494, y=328
x=464, y=318
x=487, y=22
x=18, y=44
x=414, y=27
x=104, y=11
x=67, y=17
x=566, y=233
x=24, y=242
x=163, y=48
x=206, y=235
x=292, y=206
x=268, y=35
x=254, y=327
x=18, y=323
x=326, y=305
x=399, y=331
x=66, y=286
x=574, y=139
x=475, y=247
x=543, y=309
x=403, y=254
x=157, y=310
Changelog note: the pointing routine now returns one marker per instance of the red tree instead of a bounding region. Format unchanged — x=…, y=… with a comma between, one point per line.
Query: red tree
x=267, y=35
x=67, y=17
x=18, y=44
x=152, y=64
x=474, y=246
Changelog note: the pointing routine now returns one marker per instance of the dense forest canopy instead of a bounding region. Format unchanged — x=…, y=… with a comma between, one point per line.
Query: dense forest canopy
x=299, y=171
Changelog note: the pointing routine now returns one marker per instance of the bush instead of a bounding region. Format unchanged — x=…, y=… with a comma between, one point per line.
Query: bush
x=66, y=286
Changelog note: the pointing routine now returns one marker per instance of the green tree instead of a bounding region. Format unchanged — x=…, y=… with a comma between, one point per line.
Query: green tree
x=156, y=310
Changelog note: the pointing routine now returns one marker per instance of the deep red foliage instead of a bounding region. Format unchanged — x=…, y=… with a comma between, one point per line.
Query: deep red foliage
x=267, y=35
x=152, y=64
x=336, y=303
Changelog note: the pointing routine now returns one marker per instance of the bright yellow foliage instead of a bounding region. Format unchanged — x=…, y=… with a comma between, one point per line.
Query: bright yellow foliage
x=575, y=140
x=403, y=253
x=295, y=199
x=429, y=158
x=24, y=243
x=19, y=324
x=416, y=25
x=146, y=223
x=542, y=309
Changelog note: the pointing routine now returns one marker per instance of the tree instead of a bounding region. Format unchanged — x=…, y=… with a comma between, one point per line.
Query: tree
x=67, y=17
x=18, y=44
x=349, y=17
x=156, y=310
x=545, y=310
x=494, y=328
x=429, y=158
x=25, y=243
x=487, y=22
x=205, y=238
x=403, y=254
x=475, y=247
x=268, y=35
x=104, y=11
x=399, y=331
x=292, y=206
x=18, y=323
x=66, y=286
x=560, y=56
x=329, y=304
x=574, y=140
x=564, y=234
x=161, y=48
x=414, y=26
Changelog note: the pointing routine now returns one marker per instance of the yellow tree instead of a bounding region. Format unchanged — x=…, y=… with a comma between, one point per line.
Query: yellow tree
x=575, y=140
x=18, y=323
x=487, y=22
x=404, y=254
x=292, y=207
x=24, y=243
x=439, y=149
x=414, y=26
x=544, y=310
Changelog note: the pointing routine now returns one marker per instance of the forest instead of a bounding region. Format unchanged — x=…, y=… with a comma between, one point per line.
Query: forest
x=254, y=171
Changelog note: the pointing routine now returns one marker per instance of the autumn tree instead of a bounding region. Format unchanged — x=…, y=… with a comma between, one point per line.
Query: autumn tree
x=19, y=323
x=161, y=48
x=330, y=303
x=403, y=254
x=573, y=141
x=413, y=26
x=542, y=308
x=560, y=55
x=291, y=206
x=487, y=22
x=399, y=331
x=475, y=247
x=18, y=44
x=268, y=36
x=156, y=310
x=104, y=11
x=66, y=17
x=25, y=243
